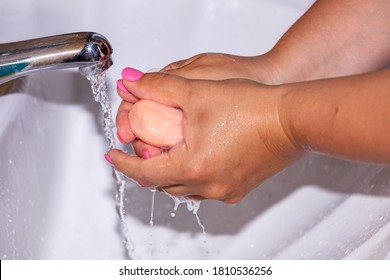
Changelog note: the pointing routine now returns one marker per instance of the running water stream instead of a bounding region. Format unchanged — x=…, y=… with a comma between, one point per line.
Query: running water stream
x=100, y=92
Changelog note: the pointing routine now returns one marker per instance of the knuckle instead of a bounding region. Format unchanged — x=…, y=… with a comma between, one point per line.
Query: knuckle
x=150, y=80
x=146, y=82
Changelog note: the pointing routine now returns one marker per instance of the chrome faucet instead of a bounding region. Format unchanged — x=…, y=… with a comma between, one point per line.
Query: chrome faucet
x=91, y=52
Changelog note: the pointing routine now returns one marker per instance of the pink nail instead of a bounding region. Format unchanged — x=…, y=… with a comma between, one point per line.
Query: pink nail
x=145, y=154
x=121, y=86
x=107, y=157
x=119, y=138
x=131, y=74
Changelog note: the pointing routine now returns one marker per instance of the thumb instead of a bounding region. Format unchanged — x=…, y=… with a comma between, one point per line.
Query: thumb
x=161, y=87
x=160, y=170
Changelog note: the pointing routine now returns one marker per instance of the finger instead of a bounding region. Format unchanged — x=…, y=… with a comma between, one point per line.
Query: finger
x=180, y=63
x=166, y=89
x=124, y=93
x=185, y=72
x=145, y=150
x=174, y=65
x=161, y=170
x=125, y=134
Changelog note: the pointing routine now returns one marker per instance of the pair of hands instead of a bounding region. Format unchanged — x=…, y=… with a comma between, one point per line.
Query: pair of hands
x=233, y=136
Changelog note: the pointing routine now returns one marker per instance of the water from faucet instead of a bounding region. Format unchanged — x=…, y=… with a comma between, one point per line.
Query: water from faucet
x=100, y=92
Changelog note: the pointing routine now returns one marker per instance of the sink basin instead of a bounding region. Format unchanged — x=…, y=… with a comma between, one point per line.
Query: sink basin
x=57, y=194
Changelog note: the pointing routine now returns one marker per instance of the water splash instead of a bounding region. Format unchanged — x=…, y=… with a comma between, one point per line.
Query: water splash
x=100, y=92
x=192, y=206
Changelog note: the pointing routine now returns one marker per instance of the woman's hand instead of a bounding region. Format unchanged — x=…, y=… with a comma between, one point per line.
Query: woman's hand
x=232, y=138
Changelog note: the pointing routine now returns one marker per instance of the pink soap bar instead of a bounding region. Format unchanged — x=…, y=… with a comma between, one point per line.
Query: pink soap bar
x=156, y=124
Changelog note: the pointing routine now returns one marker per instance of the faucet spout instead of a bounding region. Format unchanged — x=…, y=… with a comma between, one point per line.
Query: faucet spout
x=90, y=52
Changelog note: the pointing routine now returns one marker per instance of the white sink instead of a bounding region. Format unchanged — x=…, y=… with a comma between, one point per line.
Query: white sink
x=57, y=196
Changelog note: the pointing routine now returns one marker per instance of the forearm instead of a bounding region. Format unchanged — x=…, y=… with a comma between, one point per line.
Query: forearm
x=334, y=38
x=347, y=117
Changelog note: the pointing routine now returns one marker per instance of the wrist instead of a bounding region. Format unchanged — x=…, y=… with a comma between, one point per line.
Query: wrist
x=278, y=137
x=277, y=68
x=297, y=104
x=269, y=69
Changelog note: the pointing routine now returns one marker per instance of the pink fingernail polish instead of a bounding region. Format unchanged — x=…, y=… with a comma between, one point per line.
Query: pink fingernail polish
x=119, y=138
x=121, y=86
x=131, y=74
x=145, y=154
x=108, y=159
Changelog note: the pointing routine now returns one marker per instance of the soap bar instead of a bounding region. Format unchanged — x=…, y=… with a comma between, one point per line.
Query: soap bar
x=156, y=124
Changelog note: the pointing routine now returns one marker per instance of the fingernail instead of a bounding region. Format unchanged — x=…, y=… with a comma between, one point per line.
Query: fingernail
x=121, y=86
x=145, y=154
x=131, y=74
x=119, y=138
x=108, y=159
